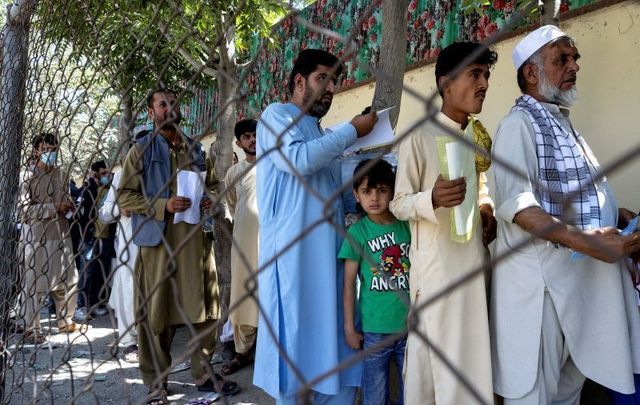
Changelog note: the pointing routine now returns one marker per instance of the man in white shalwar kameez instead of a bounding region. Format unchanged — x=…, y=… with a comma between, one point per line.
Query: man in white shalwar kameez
x=240, y=183
x=556, y=318
x=443, y=249
x=121, y=298
x=300, y=285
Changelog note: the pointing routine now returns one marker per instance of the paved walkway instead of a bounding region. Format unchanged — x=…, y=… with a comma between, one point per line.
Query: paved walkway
x=83, y=368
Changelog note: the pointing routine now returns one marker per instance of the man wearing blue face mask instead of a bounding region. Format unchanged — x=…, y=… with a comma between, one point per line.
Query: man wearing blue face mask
x=48, y=266
x=93, y=285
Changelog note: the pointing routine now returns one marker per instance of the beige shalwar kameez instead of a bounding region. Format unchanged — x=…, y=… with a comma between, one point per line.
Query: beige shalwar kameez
x=456, y=323
x=243, y=206
x=176, y=280
x=48, y=253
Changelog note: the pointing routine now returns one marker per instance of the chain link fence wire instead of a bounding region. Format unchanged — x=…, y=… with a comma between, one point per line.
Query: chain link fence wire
x=80, y=72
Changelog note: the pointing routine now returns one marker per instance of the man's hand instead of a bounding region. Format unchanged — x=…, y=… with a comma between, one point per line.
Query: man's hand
x=489, y=224
x=364, y=123
x=205, y=203
x=624, y=217
x=65, y=207
x=178, y=204
x=354, y=339
x=608, y=245
x=448, y=193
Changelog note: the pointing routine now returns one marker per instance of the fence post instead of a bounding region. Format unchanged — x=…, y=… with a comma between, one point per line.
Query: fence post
x=15, y=39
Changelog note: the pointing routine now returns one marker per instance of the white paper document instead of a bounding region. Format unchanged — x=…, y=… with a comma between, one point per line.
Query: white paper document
x=190, y=185
x=463, y=213
x=380, y=135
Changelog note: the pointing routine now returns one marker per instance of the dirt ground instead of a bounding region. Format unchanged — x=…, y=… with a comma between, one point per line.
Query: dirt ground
x=83, y=368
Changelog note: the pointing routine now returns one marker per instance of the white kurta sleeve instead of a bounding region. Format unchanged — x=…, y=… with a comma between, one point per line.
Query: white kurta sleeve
x=514, y=146
x=296, y=153
x=409, y=201
x=109, y=212
x=483, y=190
x=231, y=196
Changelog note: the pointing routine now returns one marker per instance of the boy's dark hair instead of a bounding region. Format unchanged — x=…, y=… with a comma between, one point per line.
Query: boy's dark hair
x=156, y=91
x=244, y=126
x=308, y=61
x=380, y=174
x=44, y=137
x=96, y=166
x=453, y=55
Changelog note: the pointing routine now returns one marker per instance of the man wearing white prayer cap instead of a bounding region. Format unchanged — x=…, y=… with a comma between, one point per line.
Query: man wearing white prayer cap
x=562, y=305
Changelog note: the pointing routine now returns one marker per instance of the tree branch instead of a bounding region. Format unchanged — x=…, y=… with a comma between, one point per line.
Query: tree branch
x=198, y=65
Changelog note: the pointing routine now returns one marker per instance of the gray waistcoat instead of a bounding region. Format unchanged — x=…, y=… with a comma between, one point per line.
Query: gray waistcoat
x=156, y=177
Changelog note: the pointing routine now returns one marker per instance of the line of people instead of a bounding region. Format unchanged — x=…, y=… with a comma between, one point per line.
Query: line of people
x=557, y=307
x=530, y=330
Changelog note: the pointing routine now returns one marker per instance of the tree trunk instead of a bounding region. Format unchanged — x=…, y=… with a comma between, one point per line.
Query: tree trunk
x=550, y=13
x=223, y=152
x=125, y=125
x=15, y=42
x=393, y=57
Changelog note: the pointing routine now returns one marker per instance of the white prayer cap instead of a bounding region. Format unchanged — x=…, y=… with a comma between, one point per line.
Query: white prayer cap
x=534, y=41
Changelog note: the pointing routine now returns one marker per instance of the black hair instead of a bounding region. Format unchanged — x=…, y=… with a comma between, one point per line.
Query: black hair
x=455, y=54
x=156, y=91
x=308, y=61
x=44, y=137
x=380, y=174
x=96, y=166
x=244, y=126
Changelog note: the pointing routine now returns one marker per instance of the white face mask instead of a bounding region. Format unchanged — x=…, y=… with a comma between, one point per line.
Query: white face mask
x=49, y=158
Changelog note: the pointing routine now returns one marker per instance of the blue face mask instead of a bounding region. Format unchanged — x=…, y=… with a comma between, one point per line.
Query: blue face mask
x=104, y=180
x=49, y=158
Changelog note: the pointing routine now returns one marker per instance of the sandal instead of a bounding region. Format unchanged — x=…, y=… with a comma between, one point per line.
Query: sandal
x=157, y=396
x=226, y=387
x=239, y=361
x=130, y=354
x=33, y=337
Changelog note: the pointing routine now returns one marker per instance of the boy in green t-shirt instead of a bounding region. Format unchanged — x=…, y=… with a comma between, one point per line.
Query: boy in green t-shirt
x=376, y=250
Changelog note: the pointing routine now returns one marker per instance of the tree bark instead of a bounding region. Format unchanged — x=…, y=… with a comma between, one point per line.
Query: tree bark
x=15, y=43
x=550, y=13
x=392, y=62
x=223, y=152
x=125, y=125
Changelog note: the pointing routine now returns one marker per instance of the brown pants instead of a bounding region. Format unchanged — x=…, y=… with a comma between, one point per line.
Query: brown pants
x=154, y=352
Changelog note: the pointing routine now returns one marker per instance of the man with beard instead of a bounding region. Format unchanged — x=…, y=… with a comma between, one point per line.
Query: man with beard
x=300, y=282
x=556, y=318
x=240, y=183
x=175, y=273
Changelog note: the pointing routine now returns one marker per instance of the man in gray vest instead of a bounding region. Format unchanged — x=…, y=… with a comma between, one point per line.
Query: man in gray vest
x=175, y=270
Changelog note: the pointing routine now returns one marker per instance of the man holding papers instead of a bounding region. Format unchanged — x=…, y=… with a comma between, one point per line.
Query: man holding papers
x=300, y=278
x=441, y=189
x=175, y=272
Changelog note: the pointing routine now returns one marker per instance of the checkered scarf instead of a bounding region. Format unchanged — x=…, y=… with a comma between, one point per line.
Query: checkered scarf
x=563, y=168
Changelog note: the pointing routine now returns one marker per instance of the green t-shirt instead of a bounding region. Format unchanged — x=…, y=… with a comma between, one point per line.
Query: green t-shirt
x=384, y=273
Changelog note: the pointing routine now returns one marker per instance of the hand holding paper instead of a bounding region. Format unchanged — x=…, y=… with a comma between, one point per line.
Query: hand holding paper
x=191, y=187
x=380, y=135
x=448, y=193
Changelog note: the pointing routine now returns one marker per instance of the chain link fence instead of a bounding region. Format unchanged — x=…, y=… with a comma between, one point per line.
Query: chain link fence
x=74, y=84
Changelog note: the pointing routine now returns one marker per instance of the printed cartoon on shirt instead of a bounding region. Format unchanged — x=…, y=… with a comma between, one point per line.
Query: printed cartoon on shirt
x=391, y=272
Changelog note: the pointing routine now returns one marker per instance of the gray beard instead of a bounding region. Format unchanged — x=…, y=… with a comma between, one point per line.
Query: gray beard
x=553, y=94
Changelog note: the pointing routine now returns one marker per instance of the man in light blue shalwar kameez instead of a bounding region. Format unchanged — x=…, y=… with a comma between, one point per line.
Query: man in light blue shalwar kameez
x=300, y=287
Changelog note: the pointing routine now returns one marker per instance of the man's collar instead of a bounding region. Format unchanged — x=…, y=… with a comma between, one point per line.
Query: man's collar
x=448, y=122
x=555, y=108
